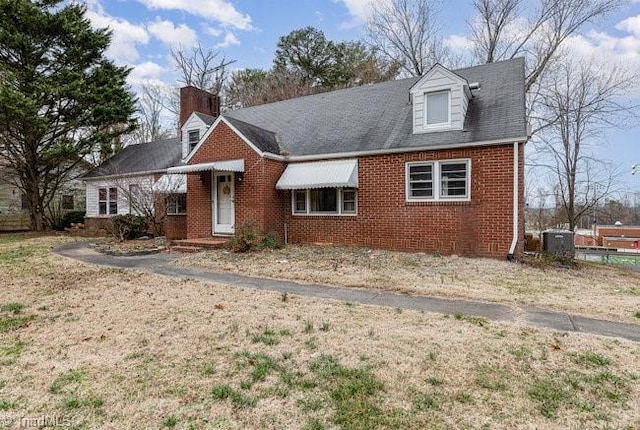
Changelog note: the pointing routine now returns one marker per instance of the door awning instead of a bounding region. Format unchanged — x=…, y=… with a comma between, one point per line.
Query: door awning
x=320, y=174
x=171, y=184
x=223, y=166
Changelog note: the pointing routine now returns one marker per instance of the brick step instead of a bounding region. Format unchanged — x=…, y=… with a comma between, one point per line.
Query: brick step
x=185, y=249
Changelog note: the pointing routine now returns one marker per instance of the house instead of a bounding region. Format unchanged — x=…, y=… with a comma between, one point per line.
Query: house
x=14, y=206
x=129, y=182
x=619, y=236
x=433, y=163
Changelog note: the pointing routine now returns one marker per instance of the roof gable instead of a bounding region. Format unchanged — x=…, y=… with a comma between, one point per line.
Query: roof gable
x=438, y=75
x=260, y=140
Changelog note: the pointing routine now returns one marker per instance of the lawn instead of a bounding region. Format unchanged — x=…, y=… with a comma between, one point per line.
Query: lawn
x=591, y=289
x=95, y=347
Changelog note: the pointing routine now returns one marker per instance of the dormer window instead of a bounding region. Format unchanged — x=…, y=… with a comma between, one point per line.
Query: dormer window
x=194, y=138
x=437, y=108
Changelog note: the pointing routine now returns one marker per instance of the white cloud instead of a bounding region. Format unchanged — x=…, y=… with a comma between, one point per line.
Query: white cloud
x=360, y=9
x=145, y=72
x=172, y=35
x=630, y=25
x=220, y=10
x=215, y=32
x=230, y=39
x=125, y=35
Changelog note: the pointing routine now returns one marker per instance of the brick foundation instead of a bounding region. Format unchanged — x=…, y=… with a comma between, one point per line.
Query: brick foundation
x=175, y=227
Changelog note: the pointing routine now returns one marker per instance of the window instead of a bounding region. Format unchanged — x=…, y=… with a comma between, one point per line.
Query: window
x=438, y=180
x=177, y=204
x=325, y=201
x=24, y=202
x=421, y=180
x=299, y=202
x=134, y=199
x=67, y=202
x=107, y=201
x=194, y=138
x=437, y=108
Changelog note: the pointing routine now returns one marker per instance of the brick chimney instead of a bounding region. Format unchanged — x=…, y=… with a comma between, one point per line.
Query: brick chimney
x=193, y=99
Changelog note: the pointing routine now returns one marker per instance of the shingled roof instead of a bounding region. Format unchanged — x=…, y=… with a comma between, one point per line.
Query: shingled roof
x=143, y=157
x=379, y=116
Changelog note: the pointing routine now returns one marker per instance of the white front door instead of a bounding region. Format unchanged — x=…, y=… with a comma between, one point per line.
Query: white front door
x=222, y=198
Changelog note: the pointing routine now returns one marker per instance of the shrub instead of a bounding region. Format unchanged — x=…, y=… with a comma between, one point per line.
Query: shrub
x=245, y=238
x=127, y=227
x=271, y=241
x=75, y=217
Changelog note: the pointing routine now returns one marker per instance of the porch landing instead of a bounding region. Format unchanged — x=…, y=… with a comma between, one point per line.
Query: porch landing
x=197, y=245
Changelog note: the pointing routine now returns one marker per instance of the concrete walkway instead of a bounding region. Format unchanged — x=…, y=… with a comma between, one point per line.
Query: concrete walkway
x=161, y=264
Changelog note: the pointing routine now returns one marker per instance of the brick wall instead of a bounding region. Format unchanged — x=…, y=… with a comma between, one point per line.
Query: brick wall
x=255, y=197
x=175, y=227
x=481, y=227
x=196, y=100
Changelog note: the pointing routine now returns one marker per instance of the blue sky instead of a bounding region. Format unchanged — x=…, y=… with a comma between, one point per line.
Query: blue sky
x=248, y=30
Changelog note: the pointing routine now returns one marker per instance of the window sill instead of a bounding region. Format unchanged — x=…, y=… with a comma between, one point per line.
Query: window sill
x=332, y=215
x=465, y=202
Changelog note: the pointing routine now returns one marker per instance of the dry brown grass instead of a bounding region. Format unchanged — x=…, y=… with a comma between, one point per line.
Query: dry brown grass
x=591, y=289
x=119, y=349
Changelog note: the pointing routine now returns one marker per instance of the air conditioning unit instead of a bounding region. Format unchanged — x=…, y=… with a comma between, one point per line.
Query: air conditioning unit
x=559, y=242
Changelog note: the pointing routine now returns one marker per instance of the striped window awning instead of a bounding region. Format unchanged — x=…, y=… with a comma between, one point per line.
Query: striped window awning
x=320, y=174
x=171, y=183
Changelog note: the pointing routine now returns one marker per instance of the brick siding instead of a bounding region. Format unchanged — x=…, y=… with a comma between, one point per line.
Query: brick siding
x=481, y=227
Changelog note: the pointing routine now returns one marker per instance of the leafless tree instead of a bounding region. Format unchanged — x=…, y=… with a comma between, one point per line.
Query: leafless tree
x=202, y=68
x=407, y=31
x=504, y=29
x=150, y=106
x=579, y=101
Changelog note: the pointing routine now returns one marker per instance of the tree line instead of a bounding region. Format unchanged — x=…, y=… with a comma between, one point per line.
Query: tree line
x=63, y=101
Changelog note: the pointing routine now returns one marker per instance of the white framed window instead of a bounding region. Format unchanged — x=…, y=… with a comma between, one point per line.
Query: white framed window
x=108, y=201
x=177, y=204
x=437, y=108
x=194, y=138
x=325, y=201
x=445, y=180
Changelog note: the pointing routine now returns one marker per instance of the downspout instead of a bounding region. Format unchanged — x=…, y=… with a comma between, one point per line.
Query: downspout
x=514, y=241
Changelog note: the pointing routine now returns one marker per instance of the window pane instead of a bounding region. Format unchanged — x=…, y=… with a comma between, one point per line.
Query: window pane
x=453, y=180
x=300, y=201
x=113, y=194
x=102, y=194
x=437, y=108
x=102, y=208
x=67, y=202
x=348, y=200
x=194, y=137
x=113, y=208
x=324, y=200
x=182, y=203
x=421, y=181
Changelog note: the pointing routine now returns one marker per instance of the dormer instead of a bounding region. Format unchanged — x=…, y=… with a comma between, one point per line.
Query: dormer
x=192, y=131
x=440, y=100
x=198, y=110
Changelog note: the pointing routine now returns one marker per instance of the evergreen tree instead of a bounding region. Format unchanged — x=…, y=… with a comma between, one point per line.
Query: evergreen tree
x=61, y=99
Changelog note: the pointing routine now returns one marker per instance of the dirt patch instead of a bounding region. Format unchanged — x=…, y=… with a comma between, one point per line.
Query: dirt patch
x=110, y=348
x=590, y=289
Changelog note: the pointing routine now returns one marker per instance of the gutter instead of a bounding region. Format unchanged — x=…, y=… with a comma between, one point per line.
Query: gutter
x=514, y=240
x=329, y=156
x=123, y=175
